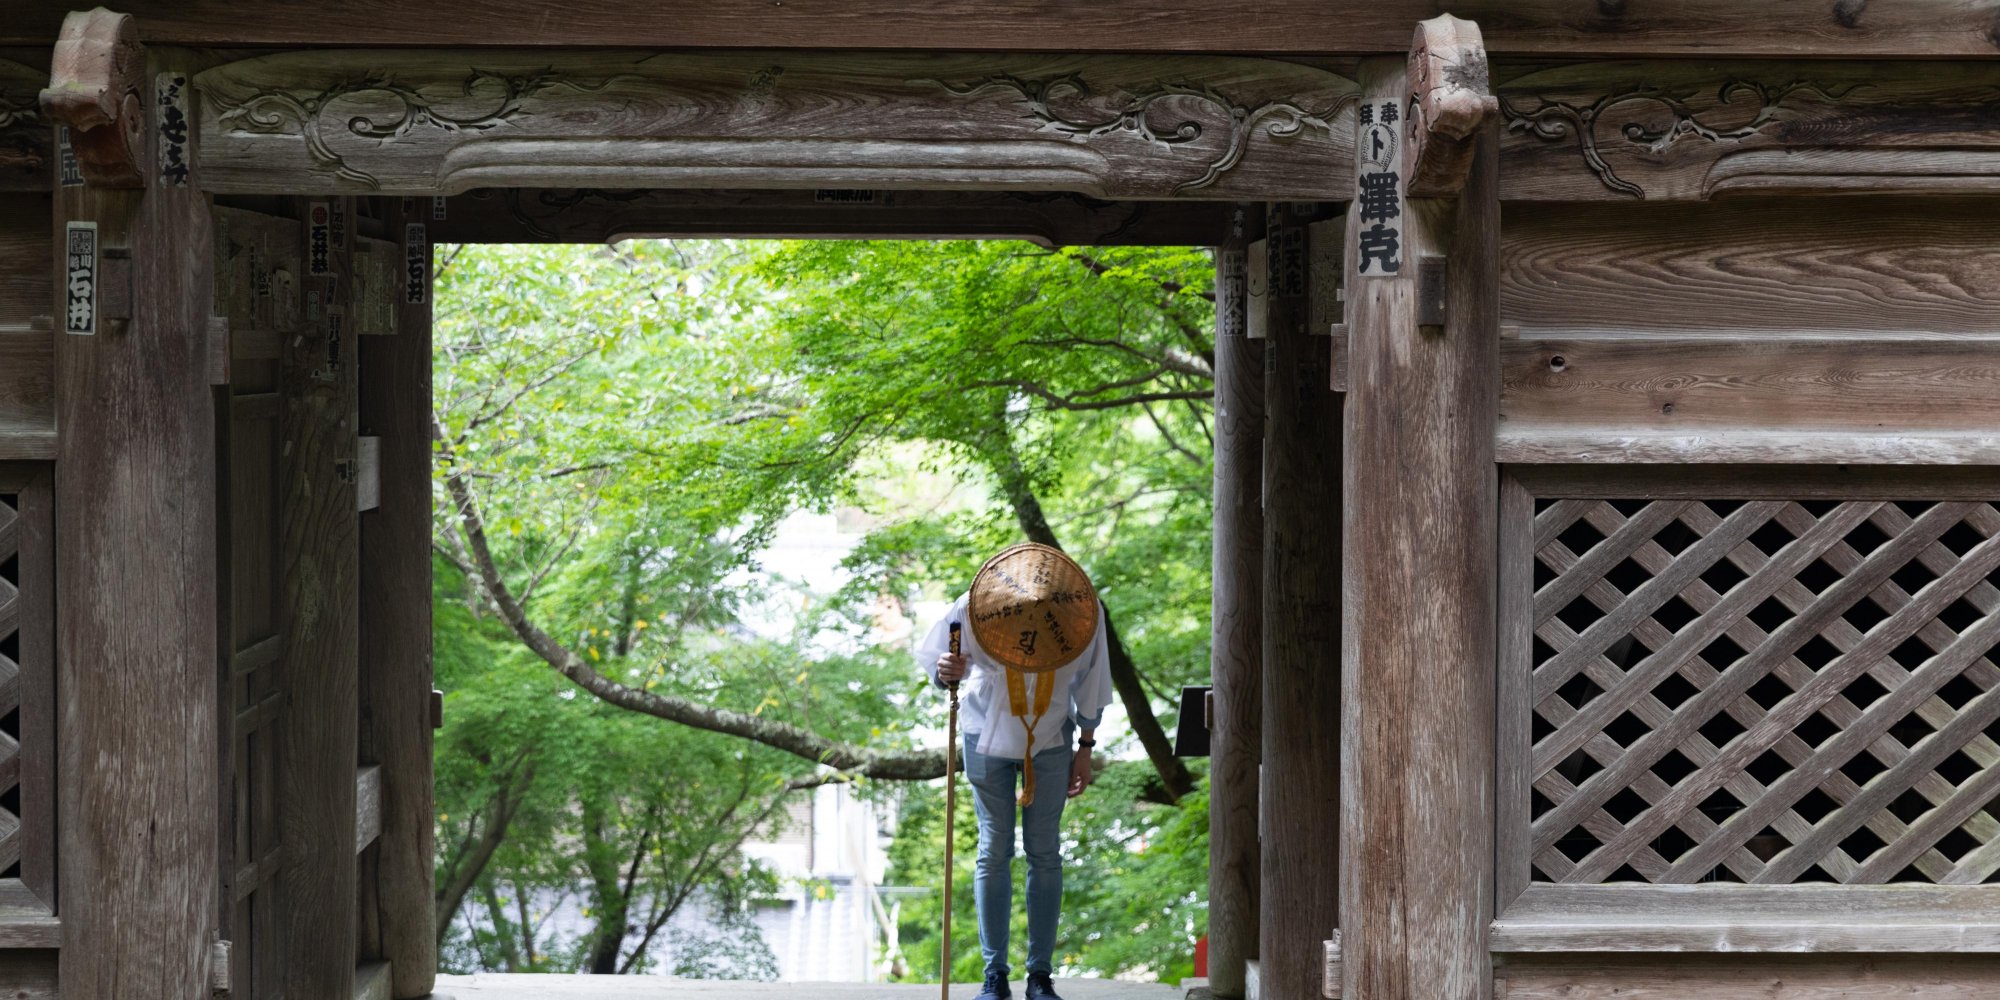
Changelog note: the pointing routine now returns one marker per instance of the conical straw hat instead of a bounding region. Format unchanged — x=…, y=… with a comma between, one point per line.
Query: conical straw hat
x=1032, y=608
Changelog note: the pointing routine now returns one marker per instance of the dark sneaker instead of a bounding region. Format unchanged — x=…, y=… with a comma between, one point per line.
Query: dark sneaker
x=996, y=986
x=1041, y=987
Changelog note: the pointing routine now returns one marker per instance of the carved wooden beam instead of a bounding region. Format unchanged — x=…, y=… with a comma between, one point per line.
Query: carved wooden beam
x=25, y=137
x=597, y=216
x=95, y=83
x=1707, y=29
x=1450, y=100
x=1684, y=131
x=1111, y=127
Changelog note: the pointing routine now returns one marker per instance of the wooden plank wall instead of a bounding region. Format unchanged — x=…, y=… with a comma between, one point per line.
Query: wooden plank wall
x=27, y=348
x=1771, y=329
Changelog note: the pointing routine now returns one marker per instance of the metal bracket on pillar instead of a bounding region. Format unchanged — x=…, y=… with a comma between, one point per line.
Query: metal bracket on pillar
x=1430, y=289
x=95, y=82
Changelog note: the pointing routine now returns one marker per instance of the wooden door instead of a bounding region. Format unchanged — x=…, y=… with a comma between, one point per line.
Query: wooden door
x=258, y=268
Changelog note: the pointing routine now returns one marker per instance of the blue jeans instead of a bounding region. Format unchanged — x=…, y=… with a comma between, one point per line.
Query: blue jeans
x=994, y=780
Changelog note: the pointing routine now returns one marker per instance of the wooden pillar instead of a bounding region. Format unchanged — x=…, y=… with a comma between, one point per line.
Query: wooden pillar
x=1301, y=779
x=395, y=396
x=319, y=543
x=136, y=584
x=1237, y=621
x=1416, y=847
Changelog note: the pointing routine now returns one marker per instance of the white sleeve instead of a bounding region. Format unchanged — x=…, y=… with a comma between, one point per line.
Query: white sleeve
x=1091, y=690
x=937, y=641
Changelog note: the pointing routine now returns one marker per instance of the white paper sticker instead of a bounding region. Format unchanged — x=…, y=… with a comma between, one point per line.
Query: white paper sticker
x=69, y=174
x=416, y=264
x=319, y=243
x=170, y=90
x=80, y=288
x=1378, y=195
x=437, y=209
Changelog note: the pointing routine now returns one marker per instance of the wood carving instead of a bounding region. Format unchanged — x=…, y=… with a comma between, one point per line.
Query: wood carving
x=25, y=146
x=1450, y=99
x=1045, y=101
x=1683, y=131
x=95, y=83
x=416, y=122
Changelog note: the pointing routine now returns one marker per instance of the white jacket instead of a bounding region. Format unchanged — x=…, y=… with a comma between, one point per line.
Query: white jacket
x=983, y=694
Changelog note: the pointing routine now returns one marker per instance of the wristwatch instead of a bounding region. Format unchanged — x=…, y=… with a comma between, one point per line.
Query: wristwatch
x=1085, y=744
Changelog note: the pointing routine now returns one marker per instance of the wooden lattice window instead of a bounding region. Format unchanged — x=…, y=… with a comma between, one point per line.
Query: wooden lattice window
x=27, y=689
x=1757, y=677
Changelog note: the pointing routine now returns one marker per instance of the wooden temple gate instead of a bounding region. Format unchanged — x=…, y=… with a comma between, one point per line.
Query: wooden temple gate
x=1624, y=417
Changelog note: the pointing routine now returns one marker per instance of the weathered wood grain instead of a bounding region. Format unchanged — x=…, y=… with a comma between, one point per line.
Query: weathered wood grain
x=1300, y=794
x=1047, y=218
x=27, y=340
x=1725, y=917
x=429, y=122
x=395, y=400
x=1710, y=398
x=136, y=543
x=1236, y=621
x=27, y=138
x=26, y=286
x=1747, y=265
x=1416, y=853
x=1760, y=977
x=1708, y=28
x=1679, y=131
x=27, y=392
x=320, y=546
x=1450, y=101
x=29, y=975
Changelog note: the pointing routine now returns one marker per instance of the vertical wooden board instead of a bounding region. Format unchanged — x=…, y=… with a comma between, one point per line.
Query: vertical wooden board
x=1300, y=798
x=1416, y=830
x=1237, y=621
x=135, y=503
x=319, y=539
x=36, y=568
x=395, y=399
x=1515, y=580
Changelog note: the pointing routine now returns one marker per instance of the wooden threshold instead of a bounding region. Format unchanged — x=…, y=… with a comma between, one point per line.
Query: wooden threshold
x=1728, y=917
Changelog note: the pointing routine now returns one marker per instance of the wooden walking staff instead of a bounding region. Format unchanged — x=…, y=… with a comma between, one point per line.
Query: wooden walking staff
x=950, y=813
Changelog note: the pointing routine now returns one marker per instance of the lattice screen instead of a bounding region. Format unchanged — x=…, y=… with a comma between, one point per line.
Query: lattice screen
x=10, y=686
x=1765, y=691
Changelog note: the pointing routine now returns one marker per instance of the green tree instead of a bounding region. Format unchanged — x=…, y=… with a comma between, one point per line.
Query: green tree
x=620, y=428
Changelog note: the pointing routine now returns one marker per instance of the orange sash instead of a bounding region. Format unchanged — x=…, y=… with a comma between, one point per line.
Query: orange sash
x=1017, y=699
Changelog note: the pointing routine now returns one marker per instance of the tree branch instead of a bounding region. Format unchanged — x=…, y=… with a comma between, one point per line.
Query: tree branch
x=902, y=765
